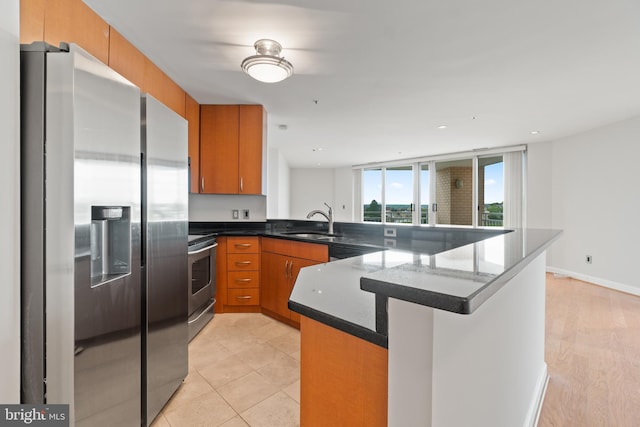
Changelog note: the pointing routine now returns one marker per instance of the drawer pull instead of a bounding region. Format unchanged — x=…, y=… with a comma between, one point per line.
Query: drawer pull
x=243, y=262
x=244, y=297
x=243, y=280
x=243, y=245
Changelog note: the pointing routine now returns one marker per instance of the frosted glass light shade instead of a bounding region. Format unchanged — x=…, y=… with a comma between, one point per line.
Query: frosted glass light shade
x=267, y=66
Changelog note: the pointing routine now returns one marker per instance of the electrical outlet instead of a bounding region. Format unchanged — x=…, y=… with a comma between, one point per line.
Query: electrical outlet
x=589, y=259
x=235, y=214
x=245, y=213
x=389, y=232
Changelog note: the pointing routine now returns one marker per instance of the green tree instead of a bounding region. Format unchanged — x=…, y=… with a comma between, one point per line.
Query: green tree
x=374, y=207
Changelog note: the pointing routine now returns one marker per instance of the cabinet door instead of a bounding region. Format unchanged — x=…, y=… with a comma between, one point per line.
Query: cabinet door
x=274, y=283
x=219, y=149
x=73, y=21
x=192, y=110
x=251, y=145
x=298, y=263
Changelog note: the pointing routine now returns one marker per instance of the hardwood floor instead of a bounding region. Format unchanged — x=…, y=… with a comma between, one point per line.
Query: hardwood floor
x=593, y=356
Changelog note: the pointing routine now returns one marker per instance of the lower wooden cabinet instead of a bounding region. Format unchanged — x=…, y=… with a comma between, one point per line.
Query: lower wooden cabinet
x=281, y=261
x=343, y=379
x=238, y=275
x=243, y=296
x=258, y=274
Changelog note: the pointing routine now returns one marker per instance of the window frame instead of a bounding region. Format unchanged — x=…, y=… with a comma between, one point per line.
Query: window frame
x=416, y=166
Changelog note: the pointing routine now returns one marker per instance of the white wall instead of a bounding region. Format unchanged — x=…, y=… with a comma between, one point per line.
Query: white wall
x=343, y=194
x=213, y=207
x=596, y=200
x=278, y=185
x=538, y=192
x=310, y=189
x=482, y=369
x=10, y=213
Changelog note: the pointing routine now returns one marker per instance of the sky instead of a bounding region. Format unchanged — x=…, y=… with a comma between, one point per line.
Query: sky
x=400, y=188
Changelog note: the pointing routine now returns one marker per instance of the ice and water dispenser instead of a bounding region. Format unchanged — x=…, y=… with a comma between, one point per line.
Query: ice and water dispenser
x=110, y=243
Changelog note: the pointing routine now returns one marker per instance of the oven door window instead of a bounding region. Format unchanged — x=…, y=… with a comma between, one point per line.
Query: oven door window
x=201, y=274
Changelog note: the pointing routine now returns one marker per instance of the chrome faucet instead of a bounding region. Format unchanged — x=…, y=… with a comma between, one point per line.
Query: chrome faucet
x=328, y=215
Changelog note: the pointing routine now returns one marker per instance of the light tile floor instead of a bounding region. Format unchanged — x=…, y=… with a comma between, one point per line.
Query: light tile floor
x=244, y=370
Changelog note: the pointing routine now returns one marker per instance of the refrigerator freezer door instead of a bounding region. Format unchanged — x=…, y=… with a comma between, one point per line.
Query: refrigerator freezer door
x=93, y=172
x=165, y=212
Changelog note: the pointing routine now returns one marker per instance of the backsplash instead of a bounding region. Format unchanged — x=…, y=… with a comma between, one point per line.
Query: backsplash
x=220, y=207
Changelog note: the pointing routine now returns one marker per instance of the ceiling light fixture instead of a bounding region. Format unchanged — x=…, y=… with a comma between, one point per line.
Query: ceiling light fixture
x=267, y=65
x=442, y=127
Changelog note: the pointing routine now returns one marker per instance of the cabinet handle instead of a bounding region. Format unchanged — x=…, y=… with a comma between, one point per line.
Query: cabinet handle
x=243, y=280
x=243, y=262
x=290, y=269
x=241, y=185
x=286, y=268
x=243, y=245
x=244, y=297
x=202, y=183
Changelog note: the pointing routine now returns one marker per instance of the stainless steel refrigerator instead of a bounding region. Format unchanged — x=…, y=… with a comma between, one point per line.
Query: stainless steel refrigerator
x=165, y=229
x=89, y=243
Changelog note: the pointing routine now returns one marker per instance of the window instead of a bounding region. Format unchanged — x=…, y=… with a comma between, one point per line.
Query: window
x=372, y=195
x=398, y=200
x=461, y=189
x=425, y=191
x=454, y=192
x=490, y=191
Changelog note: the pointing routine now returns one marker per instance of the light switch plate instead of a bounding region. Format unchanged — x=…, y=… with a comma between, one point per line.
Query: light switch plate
x=245, y=213
x=235, y=214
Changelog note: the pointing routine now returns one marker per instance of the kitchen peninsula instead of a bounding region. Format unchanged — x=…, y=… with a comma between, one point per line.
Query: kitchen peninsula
x=432, y=327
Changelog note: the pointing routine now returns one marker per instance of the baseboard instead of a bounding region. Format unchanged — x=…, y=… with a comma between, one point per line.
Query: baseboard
x=533, y=414
x=596, y=281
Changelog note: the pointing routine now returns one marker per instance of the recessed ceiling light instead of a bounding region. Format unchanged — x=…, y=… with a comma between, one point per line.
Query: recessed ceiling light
x=535, y=132
x=316, y=149
x=442, y=127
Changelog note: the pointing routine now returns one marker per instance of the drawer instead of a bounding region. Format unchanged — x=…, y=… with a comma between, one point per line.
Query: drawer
x=313, y=251
x=243, y=279
x=249, y=296
x=239, y=245
x=237, y=262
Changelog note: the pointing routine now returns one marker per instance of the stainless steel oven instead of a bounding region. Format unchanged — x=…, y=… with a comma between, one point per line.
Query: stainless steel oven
x=201, y=282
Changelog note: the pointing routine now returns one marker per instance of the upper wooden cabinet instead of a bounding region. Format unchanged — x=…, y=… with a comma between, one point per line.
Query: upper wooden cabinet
x=126, y=59
x=192, y=111
x=232, y=149
x=70, y=21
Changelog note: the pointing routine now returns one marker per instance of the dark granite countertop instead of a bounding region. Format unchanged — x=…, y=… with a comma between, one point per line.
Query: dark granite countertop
x=447, y=268
x=351, y=294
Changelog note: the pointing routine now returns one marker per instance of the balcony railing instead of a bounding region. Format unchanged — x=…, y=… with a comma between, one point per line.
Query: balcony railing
x=488, y=219
x=496, y=219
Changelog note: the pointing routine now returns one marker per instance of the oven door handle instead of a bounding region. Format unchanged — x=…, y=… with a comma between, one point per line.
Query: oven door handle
x=202, y=312
x=203, y=249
